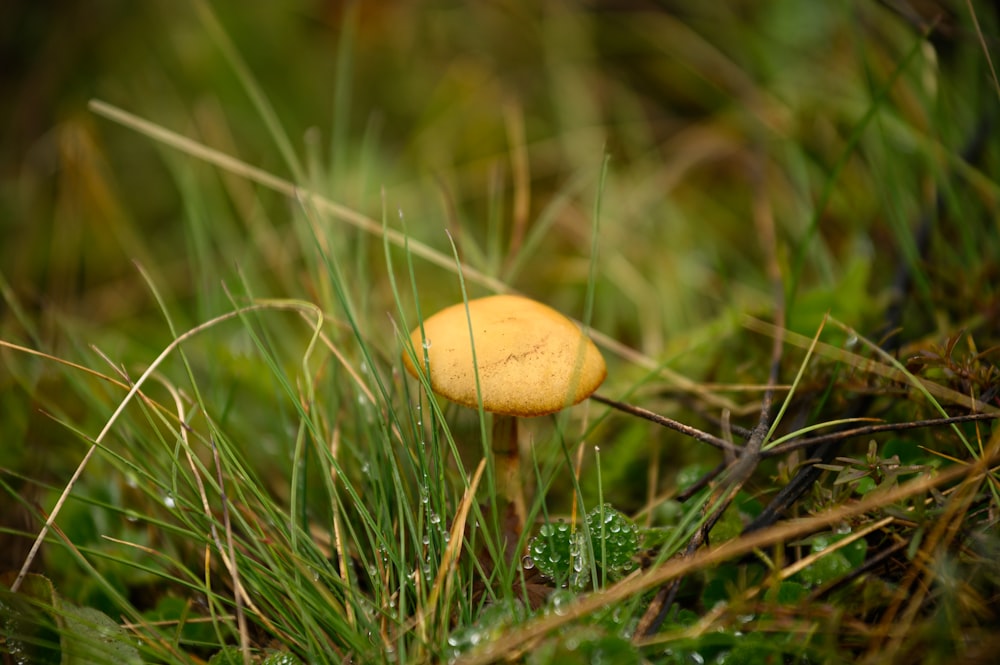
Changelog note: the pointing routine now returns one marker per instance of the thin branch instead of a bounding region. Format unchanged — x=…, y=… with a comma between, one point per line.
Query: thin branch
x=869, y=430
x=669, y=423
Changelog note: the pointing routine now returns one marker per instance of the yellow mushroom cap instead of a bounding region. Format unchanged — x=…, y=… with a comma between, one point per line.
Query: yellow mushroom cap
x=532, y=360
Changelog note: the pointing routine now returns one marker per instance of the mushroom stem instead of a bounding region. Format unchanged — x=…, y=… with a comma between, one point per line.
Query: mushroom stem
x=507, y=456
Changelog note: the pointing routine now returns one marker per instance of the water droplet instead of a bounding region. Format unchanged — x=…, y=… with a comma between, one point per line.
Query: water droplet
x=527, y=562
x=427, y=344
x=169, y=501
x=560, y=600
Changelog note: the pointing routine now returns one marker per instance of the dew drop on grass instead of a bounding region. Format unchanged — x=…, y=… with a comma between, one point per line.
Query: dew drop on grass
x=527, y=562
x=560, y=600
x=168, y=501
x=427, y=344
x=464, y=638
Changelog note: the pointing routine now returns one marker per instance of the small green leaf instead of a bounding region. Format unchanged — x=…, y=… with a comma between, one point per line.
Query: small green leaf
x=550, y=550
x=729, y=526
x=84, y=635
x=563, y=555
x=829, y=567
x=275, y=657
x=615, y=538
x=89, y=636
x=786, y=593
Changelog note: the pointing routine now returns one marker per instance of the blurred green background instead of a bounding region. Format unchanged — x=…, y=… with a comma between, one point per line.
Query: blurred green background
x=697, y=106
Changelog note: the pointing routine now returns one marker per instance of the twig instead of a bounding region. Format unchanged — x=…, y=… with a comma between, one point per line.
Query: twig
x=868, y=430
x=670, y=423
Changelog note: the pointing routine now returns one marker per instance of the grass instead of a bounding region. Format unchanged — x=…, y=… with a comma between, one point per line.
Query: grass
x=777, y=221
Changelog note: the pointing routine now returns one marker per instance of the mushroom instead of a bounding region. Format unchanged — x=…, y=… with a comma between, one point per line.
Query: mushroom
x=530, y=360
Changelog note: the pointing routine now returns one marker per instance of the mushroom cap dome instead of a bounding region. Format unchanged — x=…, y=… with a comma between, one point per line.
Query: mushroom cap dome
x=532, y=360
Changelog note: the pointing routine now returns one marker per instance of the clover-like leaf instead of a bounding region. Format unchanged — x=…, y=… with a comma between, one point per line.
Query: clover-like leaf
x=564, y=554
